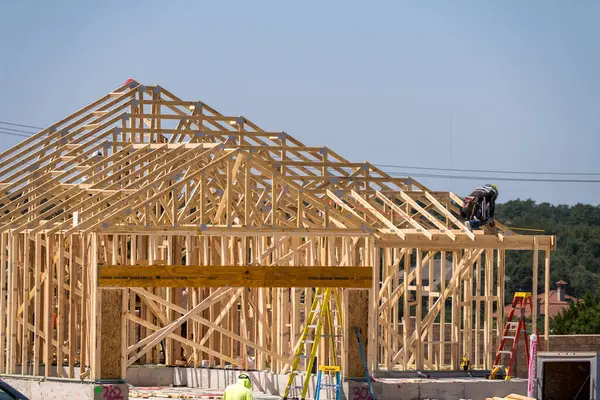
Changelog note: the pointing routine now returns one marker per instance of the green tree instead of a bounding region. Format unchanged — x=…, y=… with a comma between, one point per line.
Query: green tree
x=577, y=258
x=582, y=317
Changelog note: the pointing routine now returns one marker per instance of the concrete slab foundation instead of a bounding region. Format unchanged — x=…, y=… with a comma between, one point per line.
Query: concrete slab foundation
x=60, y=389
x=384, y=388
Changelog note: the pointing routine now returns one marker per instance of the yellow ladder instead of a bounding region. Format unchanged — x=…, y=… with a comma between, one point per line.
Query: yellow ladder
x=324, y=310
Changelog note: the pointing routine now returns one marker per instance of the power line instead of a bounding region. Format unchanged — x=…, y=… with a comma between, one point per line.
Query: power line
x=488, y=171
x=21, y=125
x=13, y=133
x=22, y=133
x=17, y=130
x=487, y=178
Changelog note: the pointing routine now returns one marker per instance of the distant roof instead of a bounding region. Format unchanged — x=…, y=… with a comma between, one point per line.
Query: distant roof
x=555, y=306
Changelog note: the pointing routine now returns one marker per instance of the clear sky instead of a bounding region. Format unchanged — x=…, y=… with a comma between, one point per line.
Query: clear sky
x=446, y=84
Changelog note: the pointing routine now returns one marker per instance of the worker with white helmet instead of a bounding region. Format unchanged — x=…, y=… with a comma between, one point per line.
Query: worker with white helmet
x=478, y=208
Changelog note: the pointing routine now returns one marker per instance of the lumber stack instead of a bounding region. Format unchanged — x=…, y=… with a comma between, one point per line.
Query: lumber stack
x=512, y=396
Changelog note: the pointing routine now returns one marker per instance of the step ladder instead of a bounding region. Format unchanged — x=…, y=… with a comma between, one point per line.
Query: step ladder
x=324, y=312
x=511, y=334
x=329, y=378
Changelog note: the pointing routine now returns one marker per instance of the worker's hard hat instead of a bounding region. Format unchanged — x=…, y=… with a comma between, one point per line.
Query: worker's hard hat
x=244, y=380
x=495, y=187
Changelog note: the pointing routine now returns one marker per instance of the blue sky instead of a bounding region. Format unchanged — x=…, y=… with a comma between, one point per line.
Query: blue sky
x=515, y=85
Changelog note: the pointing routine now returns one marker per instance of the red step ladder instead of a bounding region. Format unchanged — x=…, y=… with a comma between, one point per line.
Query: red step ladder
x=512, y=332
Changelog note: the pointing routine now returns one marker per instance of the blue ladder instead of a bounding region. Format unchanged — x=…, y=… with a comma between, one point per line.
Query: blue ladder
x=323, y=384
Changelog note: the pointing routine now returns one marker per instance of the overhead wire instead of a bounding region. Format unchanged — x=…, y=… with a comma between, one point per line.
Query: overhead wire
x=13, y=133
x=488, y=171
x=22, y=133
x=488, y=178
x=21, y=125
x=17, y=130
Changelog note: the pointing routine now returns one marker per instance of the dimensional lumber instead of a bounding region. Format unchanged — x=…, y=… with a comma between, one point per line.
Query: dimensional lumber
x=141, y=182
x=257, y=276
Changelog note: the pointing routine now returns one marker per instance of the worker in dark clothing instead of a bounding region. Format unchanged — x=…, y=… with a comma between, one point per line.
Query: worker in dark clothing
x=478, y=208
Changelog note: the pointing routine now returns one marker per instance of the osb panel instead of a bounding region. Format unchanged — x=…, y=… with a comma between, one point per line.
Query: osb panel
x=357, y=314
x=110, y=362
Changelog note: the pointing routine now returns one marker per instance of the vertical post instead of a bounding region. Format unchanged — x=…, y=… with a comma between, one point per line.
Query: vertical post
x=430, y=303
x=406, y=311
x=37, y=314
x=48, y=304
x=534, y=289
x=372, y=359
x=11, y=357
x=442, y=345
x=107, y=332
x=60, y=314
x=26, y=335
x=3, y=297
x=546, y=300
x=228, y=195
x=419, y=312
x=83, y=328
x=72, y=306
x=247, y=193
x=274, y=205
x=489, y=282
x=454, y=355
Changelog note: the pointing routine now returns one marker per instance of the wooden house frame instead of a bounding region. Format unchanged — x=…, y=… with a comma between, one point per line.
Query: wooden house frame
x=142, y=179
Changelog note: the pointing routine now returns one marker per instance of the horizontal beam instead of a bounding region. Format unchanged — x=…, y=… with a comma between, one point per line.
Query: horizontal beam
x=112, y=276
x=442, y=242
x=238, y=231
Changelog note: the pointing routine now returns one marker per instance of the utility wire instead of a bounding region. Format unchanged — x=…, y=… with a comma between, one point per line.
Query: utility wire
x=438, y=176
x=487, y=171
x=13, y=133
x=22, y=133
x=22, y=126
x=17, y=130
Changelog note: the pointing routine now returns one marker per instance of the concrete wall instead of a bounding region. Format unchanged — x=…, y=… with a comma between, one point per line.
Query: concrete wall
x=267, y=382
x=60, y=389
x=419, y=389
x=562, y=343
x=207, y=378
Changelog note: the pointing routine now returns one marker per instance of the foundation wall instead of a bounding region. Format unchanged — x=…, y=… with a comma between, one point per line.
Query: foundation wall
x=274, y=384
x=60, y=389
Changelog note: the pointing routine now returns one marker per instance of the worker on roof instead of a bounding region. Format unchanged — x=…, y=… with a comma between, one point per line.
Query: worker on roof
x=478, y=208
x=241, y=390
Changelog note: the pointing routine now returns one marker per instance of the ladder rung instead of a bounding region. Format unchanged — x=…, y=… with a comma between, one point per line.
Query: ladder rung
x=505, y=352
x=308, y=341
x=302, y=356
x=508, y=337
x=312, y=326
